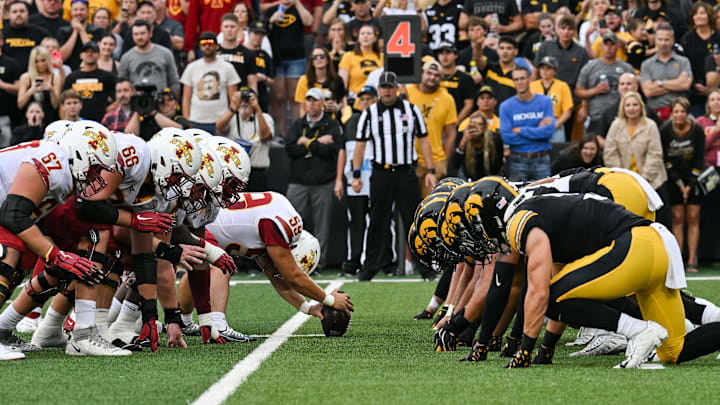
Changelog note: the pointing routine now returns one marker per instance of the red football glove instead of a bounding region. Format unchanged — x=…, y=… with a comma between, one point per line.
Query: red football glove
x=149, y=331
x=218, y=257
x=154, y=222
x=206, y=336
x=226, y=264
x=80, y=267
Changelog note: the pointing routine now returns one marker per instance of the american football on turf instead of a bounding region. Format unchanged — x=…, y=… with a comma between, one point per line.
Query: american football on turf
x=335, y=323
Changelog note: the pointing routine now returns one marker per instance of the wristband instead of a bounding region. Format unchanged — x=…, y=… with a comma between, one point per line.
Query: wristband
x=304, y=307
x=329, y=300
x=431, y=170
x=357, y=173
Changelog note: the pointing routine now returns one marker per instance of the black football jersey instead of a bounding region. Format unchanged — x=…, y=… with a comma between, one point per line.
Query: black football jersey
x=577, y=224
x=442, y=23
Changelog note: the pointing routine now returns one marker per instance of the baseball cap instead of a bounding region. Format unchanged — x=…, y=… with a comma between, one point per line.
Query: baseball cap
x=447, y=46
x=431, y=65
x=388, y=79
x=90, y=45
x=208, y=35
x=549, y=61
x=610, y=36
x=167, y=91
x=257, y=26
x=485, y=89
x=315, y=93
x=612, y=9
x=369, y=90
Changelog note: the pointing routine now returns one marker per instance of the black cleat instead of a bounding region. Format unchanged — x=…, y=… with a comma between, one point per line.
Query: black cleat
x=478, y=352
x=425, y=314
x=495, y=344
x=544, y=355
x=511, y=346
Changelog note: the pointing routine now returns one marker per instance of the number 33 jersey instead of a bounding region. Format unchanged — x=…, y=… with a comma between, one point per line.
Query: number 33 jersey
x=237, y=227
x=50, y=162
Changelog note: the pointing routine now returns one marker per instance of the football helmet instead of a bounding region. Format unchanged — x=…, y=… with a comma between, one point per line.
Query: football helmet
x=306, y=252
x=235, y=164
x=174, y=161
x=447, y=185
x=425, y=232
x=199, y=134
x=56, y=129
x=454, y=227
x=208, y=183
x=90, y=149
x=485, y=208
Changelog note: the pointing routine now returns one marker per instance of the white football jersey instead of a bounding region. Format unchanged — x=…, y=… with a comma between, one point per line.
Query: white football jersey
x=203, y=217
x=134, y=164
x=51, y=163
x=236, y=228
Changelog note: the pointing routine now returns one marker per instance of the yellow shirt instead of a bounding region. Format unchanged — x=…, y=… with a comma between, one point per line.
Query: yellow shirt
x=493, y=124
x=359, y=67
x=302, y=88
x=438, y=108
x=111, y=5
x=621, y=54
x=559, y=93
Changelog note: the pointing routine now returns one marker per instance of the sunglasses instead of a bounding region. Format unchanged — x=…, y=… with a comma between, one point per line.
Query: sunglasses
x=316, y=57
x=204, y=42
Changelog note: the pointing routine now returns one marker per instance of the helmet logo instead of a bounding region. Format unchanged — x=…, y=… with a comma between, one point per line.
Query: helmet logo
x=428, y=231
x=453, y=216
x=97, y=140
x=207, y=164
x=420, y=247
x=308, y=262
x=183, y=149
x=230, y=153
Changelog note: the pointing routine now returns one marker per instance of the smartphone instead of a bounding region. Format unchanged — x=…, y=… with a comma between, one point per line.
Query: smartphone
x=39, y=81
x=56, y=55
x=602, y=24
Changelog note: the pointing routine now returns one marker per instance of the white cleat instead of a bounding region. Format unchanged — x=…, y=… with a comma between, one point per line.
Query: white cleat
x=584, y=336
x=88, y=342
x=46, y=336
x=609, y=343
x=231, y=335
x=7, y=354
x=641, y=346
x=122, y=333
x=9, y=339
x=28, y=325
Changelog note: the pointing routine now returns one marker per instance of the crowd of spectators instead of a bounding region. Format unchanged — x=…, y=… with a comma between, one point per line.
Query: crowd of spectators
x=521, y=88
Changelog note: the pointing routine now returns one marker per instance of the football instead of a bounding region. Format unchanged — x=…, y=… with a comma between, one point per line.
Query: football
x=335, y=323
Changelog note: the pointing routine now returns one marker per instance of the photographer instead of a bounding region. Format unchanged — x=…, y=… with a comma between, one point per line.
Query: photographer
x=151, y=114
x=247, y=124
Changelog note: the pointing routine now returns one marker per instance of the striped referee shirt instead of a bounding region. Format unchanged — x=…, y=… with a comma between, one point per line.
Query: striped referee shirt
x=392, y=130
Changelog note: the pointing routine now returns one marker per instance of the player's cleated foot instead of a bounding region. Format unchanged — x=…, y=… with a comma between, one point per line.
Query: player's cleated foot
x=605, y=344
x=231, y=335
x=46, y=336
x=88, y=342
x=641, y=345
x=511, y=346
x=133, y=346
x=209, y=334
x=28, y=325
x=10, y=339
x=520, y=359
x=7, y=354
x=122, y=333
x=544, y=355
x=445, y=341
x=495, y=344
x=192, y=329
x=425, y=314
x=478, y=352
x=584, y=336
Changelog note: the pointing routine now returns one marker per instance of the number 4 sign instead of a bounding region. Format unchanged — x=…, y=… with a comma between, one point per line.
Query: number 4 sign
x=403, y=46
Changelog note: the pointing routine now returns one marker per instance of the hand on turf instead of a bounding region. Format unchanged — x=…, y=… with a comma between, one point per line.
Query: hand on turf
x=79, y=267
x=316, y=310
x=521, y=359
x=191, y=254
x=226, y=264
x=149, y=331
x=175, y=338
x=154, y=222
x=445, y=341
x=342, y=302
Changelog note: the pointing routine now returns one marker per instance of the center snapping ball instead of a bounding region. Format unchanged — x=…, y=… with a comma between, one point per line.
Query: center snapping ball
x=334, y=323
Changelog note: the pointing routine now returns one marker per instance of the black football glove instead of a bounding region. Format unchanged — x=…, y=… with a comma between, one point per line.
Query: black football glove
x=521, y=359
x=478, y=352
x=445, y=341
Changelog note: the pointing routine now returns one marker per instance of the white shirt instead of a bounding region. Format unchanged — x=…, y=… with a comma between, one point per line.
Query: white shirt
x=209, y=83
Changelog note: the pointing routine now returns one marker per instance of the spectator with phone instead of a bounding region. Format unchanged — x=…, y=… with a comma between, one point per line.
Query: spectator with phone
x=40, y=84
x=33, y=127
x=58, y=66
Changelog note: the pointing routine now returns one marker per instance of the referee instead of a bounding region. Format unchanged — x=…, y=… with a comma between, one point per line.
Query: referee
x=392, y=125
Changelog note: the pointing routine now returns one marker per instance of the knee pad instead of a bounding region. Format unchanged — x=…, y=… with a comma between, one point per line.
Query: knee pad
x=45, y=292
x=145, y=266
x=14, y=276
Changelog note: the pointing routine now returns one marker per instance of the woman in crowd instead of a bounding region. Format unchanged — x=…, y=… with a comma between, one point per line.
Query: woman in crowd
x=126, y=18
x=107, y=45
x=33, y=127
x=585, y=153
x=40, y=84
x=711, y=126
x=339, y=41
x=366, y=57
x=101, y=19
x=320, y=73
x=480, y=151
x=697, y=44
x=58, y=67
x=589, y=28
x=683, y=143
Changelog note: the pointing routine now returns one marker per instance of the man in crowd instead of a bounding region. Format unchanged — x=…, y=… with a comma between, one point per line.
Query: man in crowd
x=147, y=63
x=117, y=119
x=474, y=58
x=146, y=12
x=497, y=75
x=49, y=17
x=265, y=70
x=20, y=37
x=71, y=104
x=233, y=52
x=95, y=86
x=459, y=84
x=171, y=26
x=571, y=57
x=165, y=115
x=502, y=16
x=72, y=38
x=559, y=93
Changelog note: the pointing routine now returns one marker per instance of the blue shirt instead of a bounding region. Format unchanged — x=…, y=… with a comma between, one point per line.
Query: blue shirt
x=527, y=115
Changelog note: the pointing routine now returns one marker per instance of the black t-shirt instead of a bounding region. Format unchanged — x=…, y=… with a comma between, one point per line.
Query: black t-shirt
x=264, y=65
x=465, y=57
x=684, y=155
x=64, y=34
x=442, y=23
x=354, y=27
x=52, y=25
x=696, y=50
x=20, y=41
x=97, y=90
x=500, y=81
x=9, y=73
x=160, y=36
x=503, y=8
x=242, y=59
x=460, y=86
x=532, y=45
x=286, y=36
x=542, y=6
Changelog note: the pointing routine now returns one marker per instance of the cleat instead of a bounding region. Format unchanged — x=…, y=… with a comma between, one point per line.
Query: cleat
x=122, y=333
x=231, y=335
x=425, y=314
x=88, y=342
x=544, y=355
x=641, y=346
x=445, y=341
x=511, y=346
x=584, y=336
x=605, y=344
x=495, y=344
x=7, y=354
x=28, y=325
x=133, y=347
x=519, y=359
x=210, y=335
x=478, y=352
x=192, y=329
x=9, y=338
x=46, y=336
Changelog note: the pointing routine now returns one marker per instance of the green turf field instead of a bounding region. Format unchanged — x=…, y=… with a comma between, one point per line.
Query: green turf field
x=386, y=357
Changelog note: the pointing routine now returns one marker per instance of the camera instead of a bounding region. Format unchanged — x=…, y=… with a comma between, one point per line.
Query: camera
x=245, y=96
x=143, y=101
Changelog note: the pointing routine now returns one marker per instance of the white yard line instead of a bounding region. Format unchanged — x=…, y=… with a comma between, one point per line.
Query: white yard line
x=221, y=390
x=341, y=280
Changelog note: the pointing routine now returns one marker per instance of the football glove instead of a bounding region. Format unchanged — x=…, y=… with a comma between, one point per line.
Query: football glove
x=218, y=257
x=209, y=334
x=425, y=314
x=441, y=315
x=445, y=341
x=521, y=359
x=478, y=352
x=154, y=222
x=149, y=331
x=544, y=355
x=79, y=267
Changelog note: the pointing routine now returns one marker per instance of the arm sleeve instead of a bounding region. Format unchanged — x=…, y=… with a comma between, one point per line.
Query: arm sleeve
x=544, y=132
x=270, y=234
x=506, y=126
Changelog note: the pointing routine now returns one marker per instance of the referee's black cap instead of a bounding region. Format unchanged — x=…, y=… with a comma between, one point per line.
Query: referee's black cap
x=388, y=79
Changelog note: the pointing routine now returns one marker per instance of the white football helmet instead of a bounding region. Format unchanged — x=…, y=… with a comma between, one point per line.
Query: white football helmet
x=175, y=160
x=236, y=167
x=90, y=149
x=306, y=252
x=56, y=129
x=208, y=183
x=199, y=134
